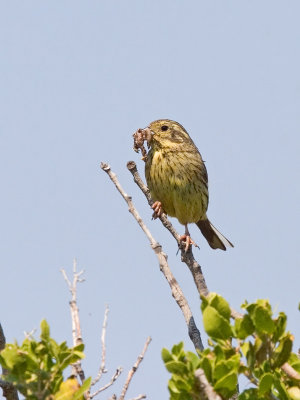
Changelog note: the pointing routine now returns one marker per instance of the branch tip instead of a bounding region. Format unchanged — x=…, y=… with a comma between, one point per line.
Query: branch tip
x=131, y=165
x=105, y=166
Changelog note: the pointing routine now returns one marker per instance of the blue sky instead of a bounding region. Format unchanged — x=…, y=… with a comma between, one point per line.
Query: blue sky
x=77, y=79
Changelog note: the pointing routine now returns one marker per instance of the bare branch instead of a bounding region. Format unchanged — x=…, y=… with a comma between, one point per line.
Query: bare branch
x=113, y=379
x=76, y=329
x=102, y=368
x=139, y=397
x=186, y=257
x=290, y=371
x=29, y=335
x=134, y=368
x=176, y=290
x=205, y=386
x=9, y=391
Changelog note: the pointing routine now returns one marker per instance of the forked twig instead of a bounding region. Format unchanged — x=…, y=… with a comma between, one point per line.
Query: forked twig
x=113, y=379
x=134, y=368
x=102, y=368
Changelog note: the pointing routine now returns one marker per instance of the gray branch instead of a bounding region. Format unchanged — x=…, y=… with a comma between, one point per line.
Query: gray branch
x=176, y=290
x=134, y=369
x=205, y=387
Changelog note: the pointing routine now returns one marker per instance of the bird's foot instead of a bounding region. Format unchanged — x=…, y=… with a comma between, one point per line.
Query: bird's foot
x=157, y=207
x=188, y=242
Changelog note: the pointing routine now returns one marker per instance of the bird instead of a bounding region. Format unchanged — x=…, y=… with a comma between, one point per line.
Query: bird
x=177, y=179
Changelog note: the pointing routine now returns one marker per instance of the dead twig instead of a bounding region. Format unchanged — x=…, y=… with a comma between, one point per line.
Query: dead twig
x=102, y=368
x=176, y=290
x=134, y=368
x=113, y=379
x=76, y=329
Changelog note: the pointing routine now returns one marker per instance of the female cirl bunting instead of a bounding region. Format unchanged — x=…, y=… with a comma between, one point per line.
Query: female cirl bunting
x=177, y=178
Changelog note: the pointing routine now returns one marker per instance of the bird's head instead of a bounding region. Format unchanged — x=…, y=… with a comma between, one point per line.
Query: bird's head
x=163, y=133
x=166, y=133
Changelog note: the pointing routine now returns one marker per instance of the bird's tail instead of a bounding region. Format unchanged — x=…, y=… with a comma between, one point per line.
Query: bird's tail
x=215, y=238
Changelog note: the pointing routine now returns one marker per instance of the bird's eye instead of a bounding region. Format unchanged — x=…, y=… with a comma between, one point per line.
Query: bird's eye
x=164, y=128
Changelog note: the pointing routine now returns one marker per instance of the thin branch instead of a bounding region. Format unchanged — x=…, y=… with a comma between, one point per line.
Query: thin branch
x=76, y=329
x=134, y=368
x=102, y=368
x=205, y=386
x=290, y=371
x=139, y=397
x=186, y=257
x=176, y=290
x=9, y=391
x=113, y=379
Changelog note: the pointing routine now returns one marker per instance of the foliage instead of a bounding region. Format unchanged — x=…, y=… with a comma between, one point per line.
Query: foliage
x=36, y=367
x=256, y=346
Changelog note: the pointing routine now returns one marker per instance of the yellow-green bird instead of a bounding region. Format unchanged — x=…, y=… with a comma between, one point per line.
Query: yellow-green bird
x=177, y=179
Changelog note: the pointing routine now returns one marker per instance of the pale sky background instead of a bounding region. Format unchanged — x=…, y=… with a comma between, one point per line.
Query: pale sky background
x=77, y=79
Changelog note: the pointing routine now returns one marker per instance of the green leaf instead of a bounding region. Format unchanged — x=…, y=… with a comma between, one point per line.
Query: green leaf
x=226, y=386
x=177, y=367
x=177, y=349
x=261, y=348
x=193, y=360
x=244, y=327
x=249, y=394
x=206, y=365
x=280, y=326
x=45, y=330
x=265, y=383
x=263, y=321
x=182, y=384
x=220, y=304
x=166, y=355
x=172, y=387
x=294, y=361
x=223, y=367
x=283, y=351
x=250, y=355
x=294, y=392
x=79, y=347
x=204, y=302
x=215, y=324
x=281, y=389
x=84, y=387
